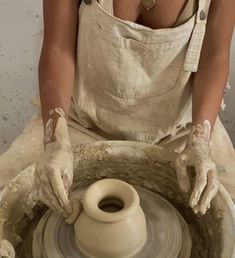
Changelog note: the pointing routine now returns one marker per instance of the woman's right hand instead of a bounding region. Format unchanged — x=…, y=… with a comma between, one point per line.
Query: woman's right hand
x=54, y=170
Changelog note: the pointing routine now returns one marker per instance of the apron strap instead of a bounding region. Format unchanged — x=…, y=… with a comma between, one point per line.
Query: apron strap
x=107, y=5
x=195, y=44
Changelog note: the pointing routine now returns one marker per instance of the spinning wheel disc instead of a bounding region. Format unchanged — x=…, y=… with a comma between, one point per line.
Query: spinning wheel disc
x=168, y=234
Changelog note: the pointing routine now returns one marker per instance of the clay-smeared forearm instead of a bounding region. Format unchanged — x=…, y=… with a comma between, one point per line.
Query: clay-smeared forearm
x=54, y=170
x=208, y=89
x=213, y=71
x=56, y=75
x=197, y=155
x=58, y=55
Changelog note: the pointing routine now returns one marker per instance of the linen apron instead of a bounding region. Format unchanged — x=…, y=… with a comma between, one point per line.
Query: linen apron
x=134, y=83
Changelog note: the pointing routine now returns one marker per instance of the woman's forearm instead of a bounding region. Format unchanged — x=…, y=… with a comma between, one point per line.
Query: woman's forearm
x=56, y=76
x=208, y=89
x=57, y=59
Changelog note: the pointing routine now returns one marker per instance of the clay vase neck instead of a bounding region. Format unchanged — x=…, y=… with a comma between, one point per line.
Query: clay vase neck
x=112, y=223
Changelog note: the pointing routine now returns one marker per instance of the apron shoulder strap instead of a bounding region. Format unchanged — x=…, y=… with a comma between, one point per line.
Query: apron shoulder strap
x=196, y=40
x=107, y=5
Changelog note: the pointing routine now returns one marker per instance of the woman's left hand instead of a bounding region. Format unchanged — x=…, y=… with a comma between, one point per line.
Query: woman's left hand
x=197, y=154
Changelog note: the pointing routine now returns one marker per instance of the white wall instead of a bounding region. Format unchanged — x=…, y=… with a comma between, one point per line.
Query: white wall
x=20, y=45
x=228, y=116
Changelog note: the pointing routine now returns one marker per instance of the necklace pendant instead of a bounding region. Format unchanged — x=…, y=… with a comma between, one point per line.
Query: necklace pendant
x=148, y=4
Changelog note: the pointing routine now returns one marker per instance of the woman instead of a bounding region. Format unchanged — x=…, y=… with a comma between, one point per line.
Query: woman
x=144, y=70
x=135, y=62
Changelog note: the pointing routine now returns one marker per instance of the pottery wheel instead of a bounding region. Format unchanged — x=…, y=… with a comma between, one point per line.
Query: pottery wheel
x=168, y=234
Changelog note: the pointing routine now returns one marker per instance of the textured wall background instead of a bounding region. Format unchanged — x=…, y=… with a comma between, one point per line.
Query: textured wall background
x=20, y=44
x=228, y=116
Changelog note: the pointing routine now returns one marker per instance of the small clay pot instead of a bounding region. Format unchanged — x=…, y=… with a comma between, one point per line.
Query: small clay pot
x=112, y=223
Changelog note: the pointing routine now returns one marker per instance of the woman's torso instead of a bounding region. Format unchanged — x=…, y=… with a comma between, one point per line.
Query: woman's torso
x=133, y=82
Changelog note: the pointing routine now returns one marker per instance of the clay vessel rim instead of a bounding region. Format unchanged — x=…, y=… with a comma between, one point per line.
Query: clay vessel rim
x=92, y=209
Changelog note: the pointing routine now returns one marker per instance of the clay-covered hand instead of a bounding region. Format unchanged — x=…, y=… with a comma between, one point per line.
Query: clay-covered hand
x=54, y=170
x=197, y=155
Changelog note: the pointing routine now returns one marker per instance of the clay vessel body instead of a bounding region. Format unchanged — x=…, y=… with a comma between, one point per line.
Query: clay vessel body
x=112, y=223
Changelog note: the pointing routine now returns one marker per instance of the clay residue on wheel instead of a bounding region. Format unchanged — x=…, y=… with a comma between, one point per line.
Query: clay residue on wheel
x=94, y=151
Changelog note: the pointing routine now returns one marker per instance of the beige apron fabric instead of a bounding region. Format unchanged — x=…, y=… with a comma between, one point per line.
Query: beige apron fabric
x=128, y=74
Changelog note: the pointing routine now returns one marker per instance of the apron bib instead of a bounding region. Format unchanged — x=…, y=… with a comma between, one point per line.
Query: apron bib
x=133, y=82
